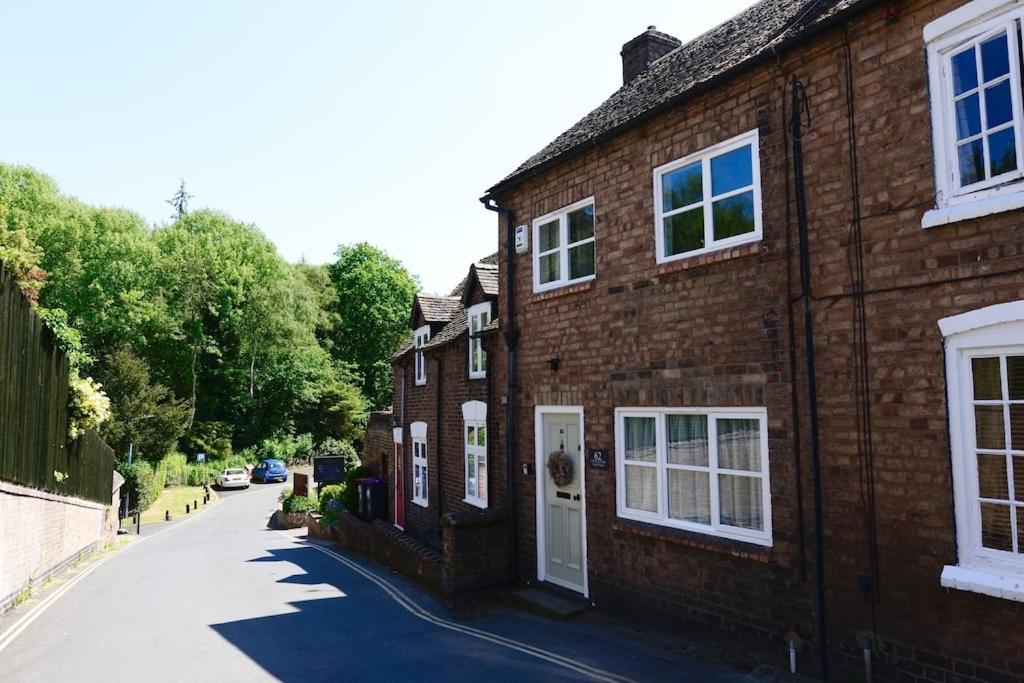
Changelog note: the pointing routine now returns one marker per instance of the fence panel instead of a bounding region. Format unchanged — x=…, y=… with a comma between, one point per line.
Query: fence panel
x=33, y=409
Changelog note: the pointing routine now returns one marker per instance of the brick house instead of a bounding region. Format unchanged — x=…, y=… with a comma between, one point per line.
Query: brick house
x=451, y=473
x=765, y=339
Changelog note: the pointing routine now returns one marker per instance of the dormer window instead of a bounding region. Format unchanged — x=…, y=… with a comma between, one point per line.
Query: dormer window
x=479, y=317
x=422, y=337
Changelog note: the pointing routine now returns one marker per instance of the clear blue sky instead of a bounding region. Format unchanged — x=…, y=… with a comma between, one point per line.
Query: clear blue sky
x=322, y=122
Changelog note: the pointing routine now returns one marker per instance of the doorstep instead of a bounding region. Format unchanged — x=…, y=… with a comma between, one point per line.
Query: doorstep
x=551, y=603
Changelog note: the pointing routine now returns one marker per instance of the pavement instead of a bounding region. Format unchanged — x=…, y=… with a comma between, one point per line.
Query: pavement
x=222, y=597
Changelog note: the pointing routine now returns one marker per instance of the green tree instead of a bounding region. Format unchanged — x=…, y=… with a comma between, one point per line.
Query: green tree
x=144, y=411
x=374, y=292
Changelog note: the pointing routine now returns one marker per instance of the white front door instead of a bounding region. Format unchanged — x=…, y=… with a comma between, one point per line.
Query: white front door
x=563, y=554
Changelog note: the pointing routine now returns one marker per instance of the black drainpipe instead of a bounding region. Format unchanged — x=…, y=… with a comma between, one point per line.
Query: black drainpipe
x=508, y=318
x=440, y=449
x=800, y=108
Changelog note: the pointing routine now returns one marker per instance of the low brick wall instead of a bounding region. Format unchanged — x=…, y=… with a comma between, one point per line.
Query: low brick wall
x=40, y=532
x=383, y=543
x=476, y=550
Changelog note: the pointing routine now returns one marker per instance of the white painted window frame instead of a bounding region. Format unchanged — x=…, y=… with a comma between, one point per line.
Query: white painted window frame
x=421, y=337
x=970, y=23
x=474, y=414
x=705, y=156
x=475, y=313
x=661, y=518
x=418, y=431
x=990, y=331
x=562, y=215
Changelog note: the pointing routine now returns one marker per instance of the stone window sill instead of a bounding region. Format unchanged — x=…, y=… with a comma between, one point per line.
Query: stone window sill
x=692, y=539
x=563, y=291
x=973, y=209
x=709, y=258
x=1008, y=585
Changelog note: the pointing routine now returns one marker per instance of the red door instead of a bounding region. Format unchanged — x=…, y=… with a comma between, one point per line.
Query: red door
x=399, y=487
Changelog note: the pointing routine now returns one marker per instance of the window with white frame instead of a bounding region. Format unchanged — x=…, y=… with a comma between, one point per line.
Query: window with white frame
x=479, y=316
x=701, y=469
x=475, y=440
x=563, y=246
x=975, y=87
x=422, y=336
x=709, y=200
x=420, y=474
x=985, y=380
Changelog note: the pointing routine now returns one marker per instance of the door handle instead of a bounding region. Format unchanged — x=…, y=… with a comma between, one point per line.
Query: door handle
x=576, y=497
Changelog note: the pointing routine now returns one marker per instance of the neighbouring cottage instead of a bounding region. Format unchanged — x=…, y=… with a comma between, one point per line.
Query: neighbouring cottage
x=447, y=481
x=764, y=341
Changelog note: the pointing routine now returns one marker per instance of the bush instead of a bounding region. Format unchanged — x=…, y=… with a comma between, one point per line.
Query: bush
x=143, y=483
x=287, y=448
x=350, y=496
x=342, y=448
x=294, y=503
x=176, y=469
x=330, y=497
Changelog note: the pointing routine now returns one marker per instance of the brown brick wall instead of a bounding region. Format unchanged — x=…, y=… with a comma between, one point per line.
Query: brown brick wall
x=39, y=531
x=712, y=331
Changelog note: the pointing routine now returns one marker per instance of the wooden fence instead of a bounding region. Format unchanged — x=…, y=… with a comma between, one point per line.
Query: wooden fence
x=34, y=450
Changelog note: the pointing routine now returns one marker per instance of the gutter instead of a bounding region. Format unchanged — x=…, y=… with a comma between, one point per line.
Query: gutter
x=508, y=323
x=768, y=53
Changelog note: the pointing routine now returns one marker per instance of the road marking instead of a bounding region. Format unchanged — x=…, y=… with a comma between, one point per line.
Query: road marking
x=417, y=611
x=15, y=630
x=19, y=626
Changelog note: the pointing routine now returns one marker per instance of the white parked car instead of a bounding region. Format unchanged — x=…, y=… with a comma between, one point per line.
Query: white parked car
x=232, y=479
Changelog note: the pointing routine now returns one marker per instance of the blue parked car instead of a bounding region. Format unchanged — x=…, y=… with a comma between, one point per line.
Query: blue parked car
x=270, y=471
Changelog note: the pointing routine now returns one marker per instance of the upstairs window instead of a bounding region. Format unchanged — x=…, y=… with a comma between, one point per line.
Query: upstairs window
x=563, y=246
x=422, y=337
x=709, y=200
x=479, y=317
x=976, y=109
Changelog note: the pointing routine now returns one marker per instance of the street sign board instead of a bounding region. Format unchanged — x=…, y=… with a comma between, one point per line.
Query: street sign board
x=200, y=457
x=329, y=469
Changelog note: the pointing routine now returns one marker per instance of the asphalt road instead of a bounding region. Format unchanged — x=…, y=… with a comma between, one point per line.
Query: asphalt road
x=220, y=597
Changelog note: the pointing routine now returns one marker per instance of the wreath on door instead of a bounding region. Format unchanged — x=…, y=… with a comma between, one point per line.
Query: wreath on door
x=560, y=468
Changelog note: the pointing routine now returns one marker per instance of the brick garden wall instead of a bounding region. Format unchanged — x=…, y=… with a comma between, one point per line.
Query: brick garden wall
x=39, y=531
x=712, y=331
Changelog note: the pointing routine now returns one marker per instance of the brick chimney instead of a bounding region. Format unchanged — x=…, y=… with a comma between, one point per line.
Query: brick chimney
x=639, y=53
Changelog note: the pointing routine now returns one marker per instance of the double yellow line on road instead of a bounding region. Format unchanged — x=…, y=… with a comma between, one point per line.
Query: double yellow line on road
x=421, y=613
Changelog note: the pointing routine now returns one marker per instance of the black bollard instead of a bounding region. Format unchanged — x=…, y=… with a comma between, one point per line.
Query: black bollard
x=167, y=515
x=187, y=510
x=138, y=524
x=195, y=505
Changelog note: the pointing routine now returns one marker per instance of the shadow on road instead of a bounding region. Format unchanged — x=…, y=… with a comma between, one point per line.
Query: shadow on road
x=362, y=634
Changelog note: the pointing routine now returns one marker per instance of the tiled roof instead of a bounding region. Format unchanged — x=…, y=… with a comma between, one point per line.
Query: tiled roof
x=492, y=326
x=437, y=308
x=489, y=260
x=488, y=277
x=449, y=332
x=404, y=348
x=754, y=33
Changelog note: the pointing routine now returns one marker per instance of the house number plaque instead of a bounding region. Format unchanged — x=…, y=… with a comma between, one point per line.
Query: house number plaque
x=598, y=459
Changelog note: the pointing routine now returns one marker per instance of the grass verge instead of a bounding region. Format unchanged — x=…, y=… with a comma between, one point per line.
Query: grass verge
x=174, y=499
